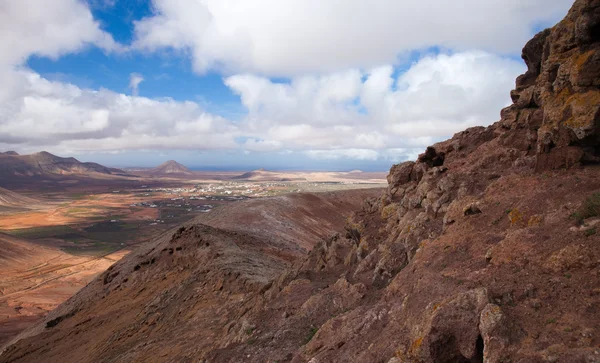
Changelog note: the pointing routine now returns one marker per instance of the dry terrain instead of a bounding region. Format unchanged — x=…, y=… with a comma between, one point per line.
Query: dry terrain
x=34, y=279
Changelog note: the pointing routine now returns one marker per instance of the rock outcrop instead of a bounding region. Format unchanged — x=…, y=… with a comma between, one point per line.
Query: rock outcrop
x=484, y=249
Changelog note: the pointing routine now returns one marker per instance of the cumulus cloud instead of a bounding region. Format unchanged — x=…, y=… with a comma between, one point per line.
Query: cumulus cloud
x=70, y=118
x=36, y=113
x=134, y=81
x=352, y=110
x=346, y=101
x=352, y=114
x=35, y=27
x=291, y=37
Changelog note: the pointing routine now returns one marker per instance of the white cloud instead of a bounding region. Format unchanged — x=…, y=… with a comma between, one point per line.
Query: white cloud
x=349, y=114
x=262, y=145
x=134, y=82
x=47, y=29
x=437, y=96
x=36, y=113
x=357, y=154
x=69, y=118
x=290, y=37
x=340, y=111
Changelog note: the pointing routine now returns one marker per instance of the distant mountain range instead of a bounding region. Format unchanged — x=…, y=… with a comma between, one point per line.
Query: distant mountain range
x=44, y=163
x=264, y=175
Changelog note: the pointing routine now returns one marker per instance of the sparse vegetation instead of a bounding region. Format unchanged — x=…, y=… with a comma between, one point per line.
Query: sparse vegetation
x=311, y=334
x=389, y=211
x=590, y=232
x=589, y=208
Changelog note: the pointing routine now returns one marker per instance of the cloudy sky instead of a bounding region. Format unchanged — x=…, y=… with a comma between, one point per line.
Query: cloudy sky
x=242, y=84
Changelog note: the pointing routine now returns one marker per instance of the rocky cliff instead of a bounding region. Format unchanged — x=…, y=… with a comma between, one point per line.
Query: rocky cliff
x=484, y=249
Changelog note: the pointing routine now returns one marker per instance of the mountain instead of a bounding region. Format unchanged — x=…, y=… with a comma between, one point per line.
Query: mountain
x=484, y=249
x=10, y=153
x=171, y=167
x=264, y=175
x=44, y=163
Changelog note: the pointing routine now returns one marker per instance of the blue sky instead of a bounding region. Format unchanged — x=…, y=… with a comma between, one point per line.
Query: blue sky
x=234, y=84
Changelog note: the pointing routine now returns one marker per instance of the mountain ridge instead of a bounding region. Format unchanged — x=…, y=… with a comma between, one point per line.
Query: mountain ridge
x=45, y=163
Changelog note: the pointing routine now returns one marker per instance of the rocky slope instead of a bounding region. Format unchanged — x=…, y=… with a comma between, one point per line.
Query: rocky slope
x=43, y=163
x=484, y=249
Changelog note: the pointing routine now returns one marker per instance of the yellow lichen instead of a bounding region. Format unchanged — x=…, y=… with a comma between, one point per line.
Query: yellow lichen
x=535, y=220
x=581, y=59
x=416, y=344
x=515, y=216
x=582, y=109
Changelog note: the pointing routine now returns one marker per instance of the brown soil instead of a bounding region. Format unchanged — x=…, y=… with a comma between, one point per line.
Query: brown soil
x=35, y=279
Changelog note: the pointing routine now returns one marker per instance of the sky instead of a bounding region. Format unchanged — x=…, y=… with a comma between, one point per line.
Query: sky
x=247, y=84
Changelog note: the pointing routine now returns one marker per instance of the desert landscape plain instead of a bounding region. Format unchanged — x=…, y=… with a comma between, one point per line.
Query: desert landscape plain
x=484, y=248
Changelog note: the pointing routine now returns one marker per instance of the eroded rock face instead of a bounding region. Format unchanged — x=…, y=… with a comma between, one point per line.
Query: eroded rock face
x=470, y=255
x=558, y=98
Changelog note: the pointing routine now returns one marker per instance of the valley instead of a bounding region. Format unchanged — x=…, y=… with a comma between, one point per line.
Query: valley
x=78, y=225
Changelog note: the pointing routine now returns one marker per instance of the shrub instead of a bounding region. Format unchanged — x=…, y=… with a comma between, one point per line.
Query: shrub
x=589, y=208
x=311, y=334
x=388, y=211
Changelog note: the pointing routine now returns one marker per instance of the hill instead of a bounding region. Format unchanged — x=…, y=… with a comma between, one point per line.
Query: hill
x=44, y=163
x=484, y=249
x=264, y=175
x=11, y=199
x=170, y=167
x=18, y=253
x=34, y=279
